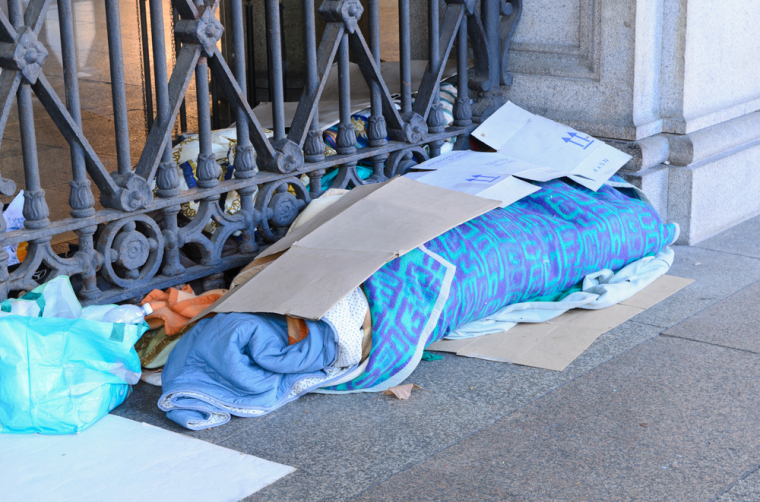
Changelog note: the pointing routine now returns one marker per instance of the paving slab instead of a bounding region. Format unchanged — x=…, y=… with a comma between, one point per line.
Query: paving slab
x=342, y=445
x=509, y=386
x=740, y=240
x=733, y=322
x=716, y=274
x=746, y=490
x=142, y=406
x=671, y=419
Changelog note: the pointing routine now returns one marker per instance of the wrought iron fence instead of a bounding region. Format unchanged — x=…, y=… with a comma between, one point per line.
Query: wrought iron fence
x=135, y=242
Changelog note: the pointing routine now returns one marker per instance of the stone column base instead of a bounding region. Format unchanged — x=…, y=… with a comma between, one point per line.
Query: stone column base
x=711, y=180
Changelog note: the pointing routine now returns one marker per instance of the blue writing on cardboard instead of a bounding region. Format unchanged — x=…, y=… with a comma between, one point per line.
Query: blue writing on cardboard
x=482, y=178
x=581, y=141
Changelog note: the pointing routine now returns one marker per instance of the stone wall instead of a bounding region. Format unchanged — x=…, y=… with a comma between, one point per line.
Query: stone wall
x=676, y=83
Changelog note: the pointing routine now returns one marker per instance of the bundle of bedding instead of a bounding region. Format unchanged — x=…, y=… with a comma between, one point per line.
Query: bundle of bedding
x=540, y=248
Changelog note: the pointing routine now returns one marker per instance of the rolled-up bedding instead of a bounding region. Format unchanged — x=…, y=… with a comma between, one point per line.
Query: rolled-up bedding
x=534, y=249
x=537, y=247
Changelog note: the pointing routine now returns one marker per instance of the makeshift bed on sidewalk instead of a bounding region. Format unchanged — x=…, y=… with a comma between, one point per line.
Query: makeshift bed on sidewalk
x=539, y=249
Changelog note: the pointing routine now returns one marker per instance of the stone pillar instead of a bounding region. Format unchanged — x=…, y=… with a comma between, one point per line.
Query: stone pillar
x=676, y=83
x=710, y=102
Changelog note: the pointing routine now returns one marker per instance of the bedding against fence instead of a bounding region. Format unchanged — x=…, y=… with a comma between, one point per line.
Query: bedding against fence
x=537, y=248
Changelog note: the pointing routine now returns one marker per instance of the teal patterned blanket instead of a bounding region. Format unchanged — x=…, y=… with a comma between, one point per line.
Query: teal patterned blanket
x=539, y=246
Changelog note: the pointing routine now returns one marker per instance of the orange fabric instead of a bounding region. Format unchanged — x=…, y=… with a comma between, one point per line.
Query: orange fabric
x=191, y=307
x=21, y=250
x=297, y=329
x=174, y=308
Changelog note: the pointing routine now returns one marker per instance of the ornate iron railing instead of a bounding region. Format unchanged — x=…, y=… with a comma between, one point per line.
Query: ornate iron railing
x=124, y=243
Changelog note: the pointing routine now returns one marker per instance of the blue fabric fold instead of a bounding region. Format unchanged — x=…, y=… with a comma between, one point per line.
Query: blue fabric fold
x=242, y=364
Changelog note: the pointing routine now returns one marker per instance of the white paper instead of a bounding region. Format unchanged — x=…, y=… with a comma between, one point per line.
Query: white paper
x=14, y=220
x=519, y=134
x=121, y=460
x=487, y=175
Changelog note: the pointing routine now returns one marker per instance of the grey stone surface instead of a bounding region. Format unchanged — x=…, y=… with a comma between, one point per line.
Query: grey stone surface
x=733, y=322
x=508, y=386
x=654, y=183
x=341, y=445
x=669, y=420
x=710, y=72
x=741, y=239
x=646, y=153
x=344, y=444
x=459, y=396
x=707, y=198
x=718, y=140
x=558, y=40
x=716, y=275
x=746, y=490
x=607, y=84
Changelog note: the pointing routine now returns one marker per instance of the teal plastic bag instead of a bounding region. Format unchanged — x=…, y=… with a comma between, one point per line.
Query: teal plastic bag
x=59, y=376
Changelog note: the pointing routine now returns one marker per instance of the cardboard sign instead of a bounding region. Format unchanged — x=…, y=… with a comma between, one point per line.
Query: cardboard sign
x=336, y=251
x=557, y=149
x=488, y=175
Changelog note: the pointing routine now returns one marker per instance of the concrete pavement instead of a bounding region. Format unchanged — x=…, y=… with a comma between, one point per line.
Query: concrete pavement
x=663, y=407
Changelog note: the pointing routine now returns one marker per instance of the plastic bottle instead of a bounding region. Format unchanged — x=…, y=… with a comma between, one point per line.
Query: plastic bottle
x=127, y=314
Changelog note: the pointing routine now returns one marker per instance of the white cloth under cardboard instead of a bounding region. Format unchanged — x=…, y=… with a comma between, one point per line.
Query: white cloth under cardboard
x=599, y=290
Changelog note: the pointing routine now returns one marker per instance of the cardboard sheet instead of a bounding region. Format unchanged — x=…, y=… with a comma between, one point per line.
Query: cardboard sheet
x=556, y=149
x=555, y=344
x=332, y=254
x=488, y=175
x=121, y=460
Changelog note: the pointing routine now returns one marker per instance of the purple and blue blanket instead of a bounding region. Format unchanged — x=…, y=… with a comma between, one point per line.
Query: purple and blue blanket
x=539, y=246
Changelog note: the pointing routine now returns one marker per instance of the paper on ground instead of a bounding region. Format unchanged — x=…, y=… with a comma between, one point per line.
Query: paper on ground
x=121, y=460
x=489, y=175
x=337, y=250
x=555, y=344
x=558, y=149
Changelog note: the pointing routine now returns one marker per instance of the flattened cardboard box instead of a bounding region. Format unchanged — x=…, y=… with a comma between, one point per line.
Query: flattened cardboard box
x=555, y=149
x=555, y=344
x=335, y=252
